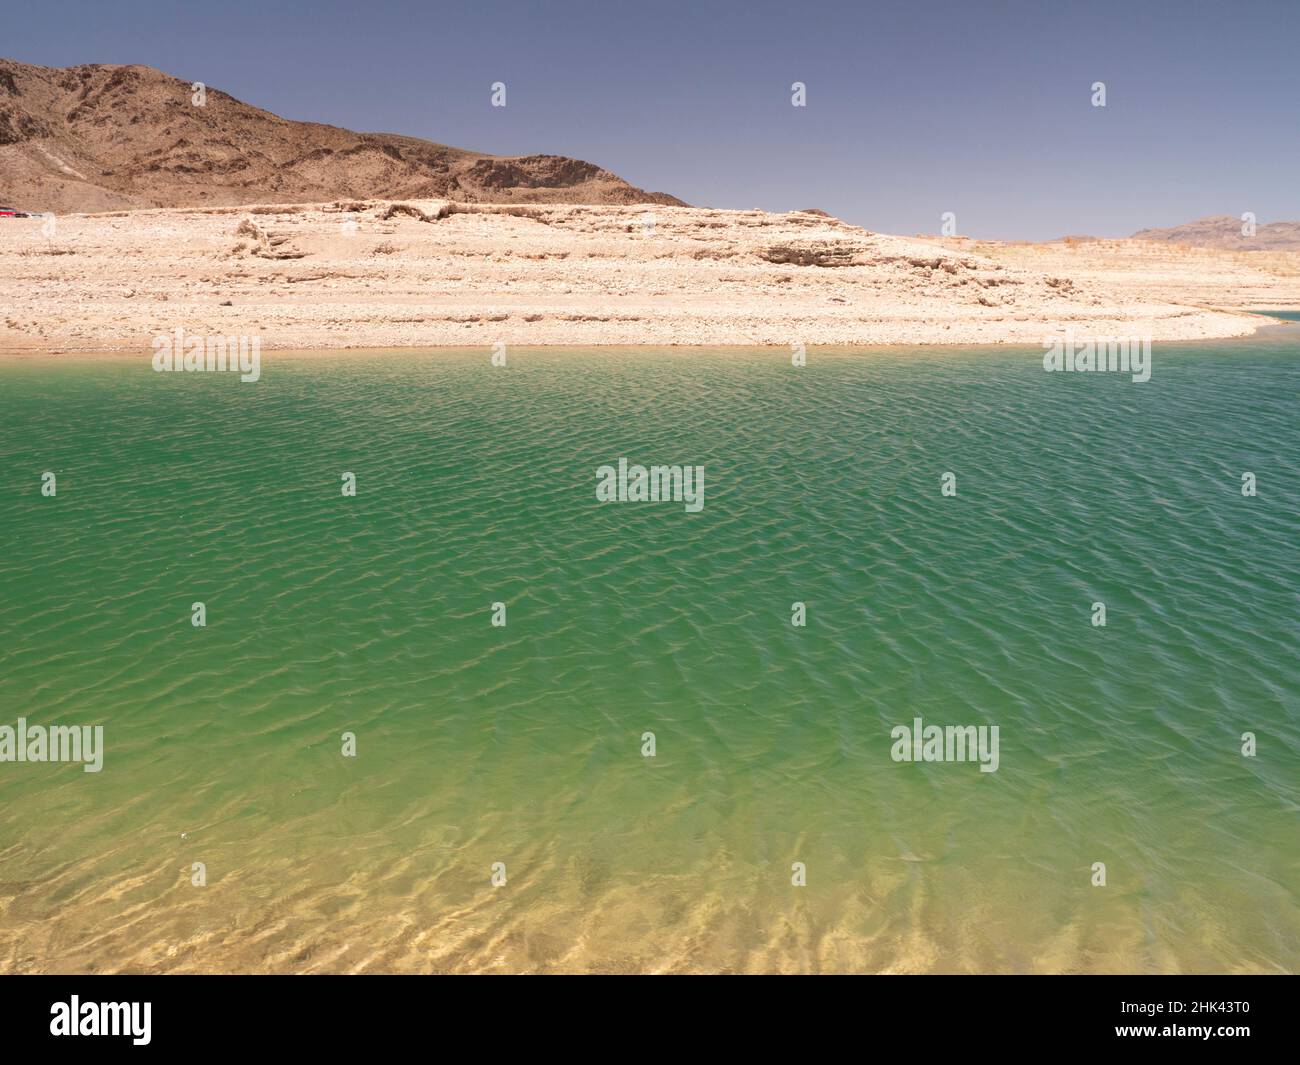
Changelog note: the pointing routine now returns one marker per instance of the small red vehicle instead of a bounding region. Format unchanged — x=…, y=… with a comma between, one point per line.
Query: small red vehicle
x=8, y=212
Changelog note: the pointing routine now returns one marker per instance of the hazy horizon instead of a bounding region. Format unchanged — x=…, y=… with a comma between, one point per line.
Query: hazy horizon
x=912, y=110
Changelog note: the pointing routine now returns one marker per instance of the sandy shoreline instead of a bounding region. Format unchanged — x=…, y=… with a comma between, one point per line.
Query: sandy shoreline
x=379, y=275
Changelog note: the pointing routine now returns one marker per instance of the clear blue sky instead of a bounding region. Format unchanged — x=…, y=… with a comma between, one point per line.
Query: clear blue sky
x=914, y=108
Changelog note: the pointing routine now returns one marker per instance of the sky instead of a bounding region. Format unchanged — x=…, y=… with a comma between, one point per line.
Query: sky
x=916, y=108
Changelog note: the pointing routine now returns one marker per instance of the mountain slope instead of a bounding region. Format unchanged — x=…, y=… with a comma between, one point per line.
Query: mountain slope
x=1224, y=232
x=97, y=137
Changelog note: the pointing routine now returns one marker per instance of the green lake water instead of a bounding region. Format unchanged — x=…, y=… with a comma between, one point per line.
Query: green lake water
x=522, y=744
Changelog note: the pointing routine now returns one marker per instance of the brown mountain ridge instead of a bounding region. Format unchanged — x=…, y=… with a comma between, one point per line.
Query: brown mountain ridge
x=1224, y=232
x=103, y=137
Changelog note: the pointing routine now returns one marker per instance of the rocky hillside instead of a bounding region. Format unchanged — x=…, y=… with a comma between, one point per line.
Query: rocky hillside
x=97, y=137
x=1224, y=232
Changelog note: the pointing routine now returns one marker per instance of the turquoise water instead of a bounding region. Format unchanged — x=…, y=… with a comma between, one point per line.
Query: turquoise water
x=522, y=745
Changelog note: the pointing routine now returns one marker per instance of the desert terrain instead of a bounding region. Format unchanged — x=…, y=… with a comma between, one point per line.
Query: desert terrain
x=437, y=272
x=1225, y=278
x=165, y=207
x=101, y=137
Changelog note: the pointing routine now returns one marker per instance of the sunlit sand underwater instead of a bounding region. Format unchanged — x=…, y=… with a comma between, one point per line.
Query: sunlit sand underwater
x=522, y=745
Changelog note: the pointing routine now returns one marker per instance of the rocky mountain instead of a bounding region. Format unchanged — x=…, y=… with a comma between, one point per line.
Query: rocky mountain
x=102, y=137
x=1224, y=232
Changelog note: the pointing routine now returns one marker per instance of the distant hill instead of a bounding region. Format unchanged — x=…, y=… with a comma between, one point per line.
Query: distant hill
x=1224, y=232
x=97, y=137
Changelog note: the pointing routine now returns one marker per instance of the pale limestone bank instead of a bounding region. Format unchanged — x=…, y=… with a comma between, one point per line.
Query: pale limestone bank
x=431, y=273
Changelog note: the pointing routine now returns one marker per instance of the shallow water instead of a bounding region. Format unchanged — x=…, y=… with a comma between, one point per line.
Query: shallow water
x=522, y=745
